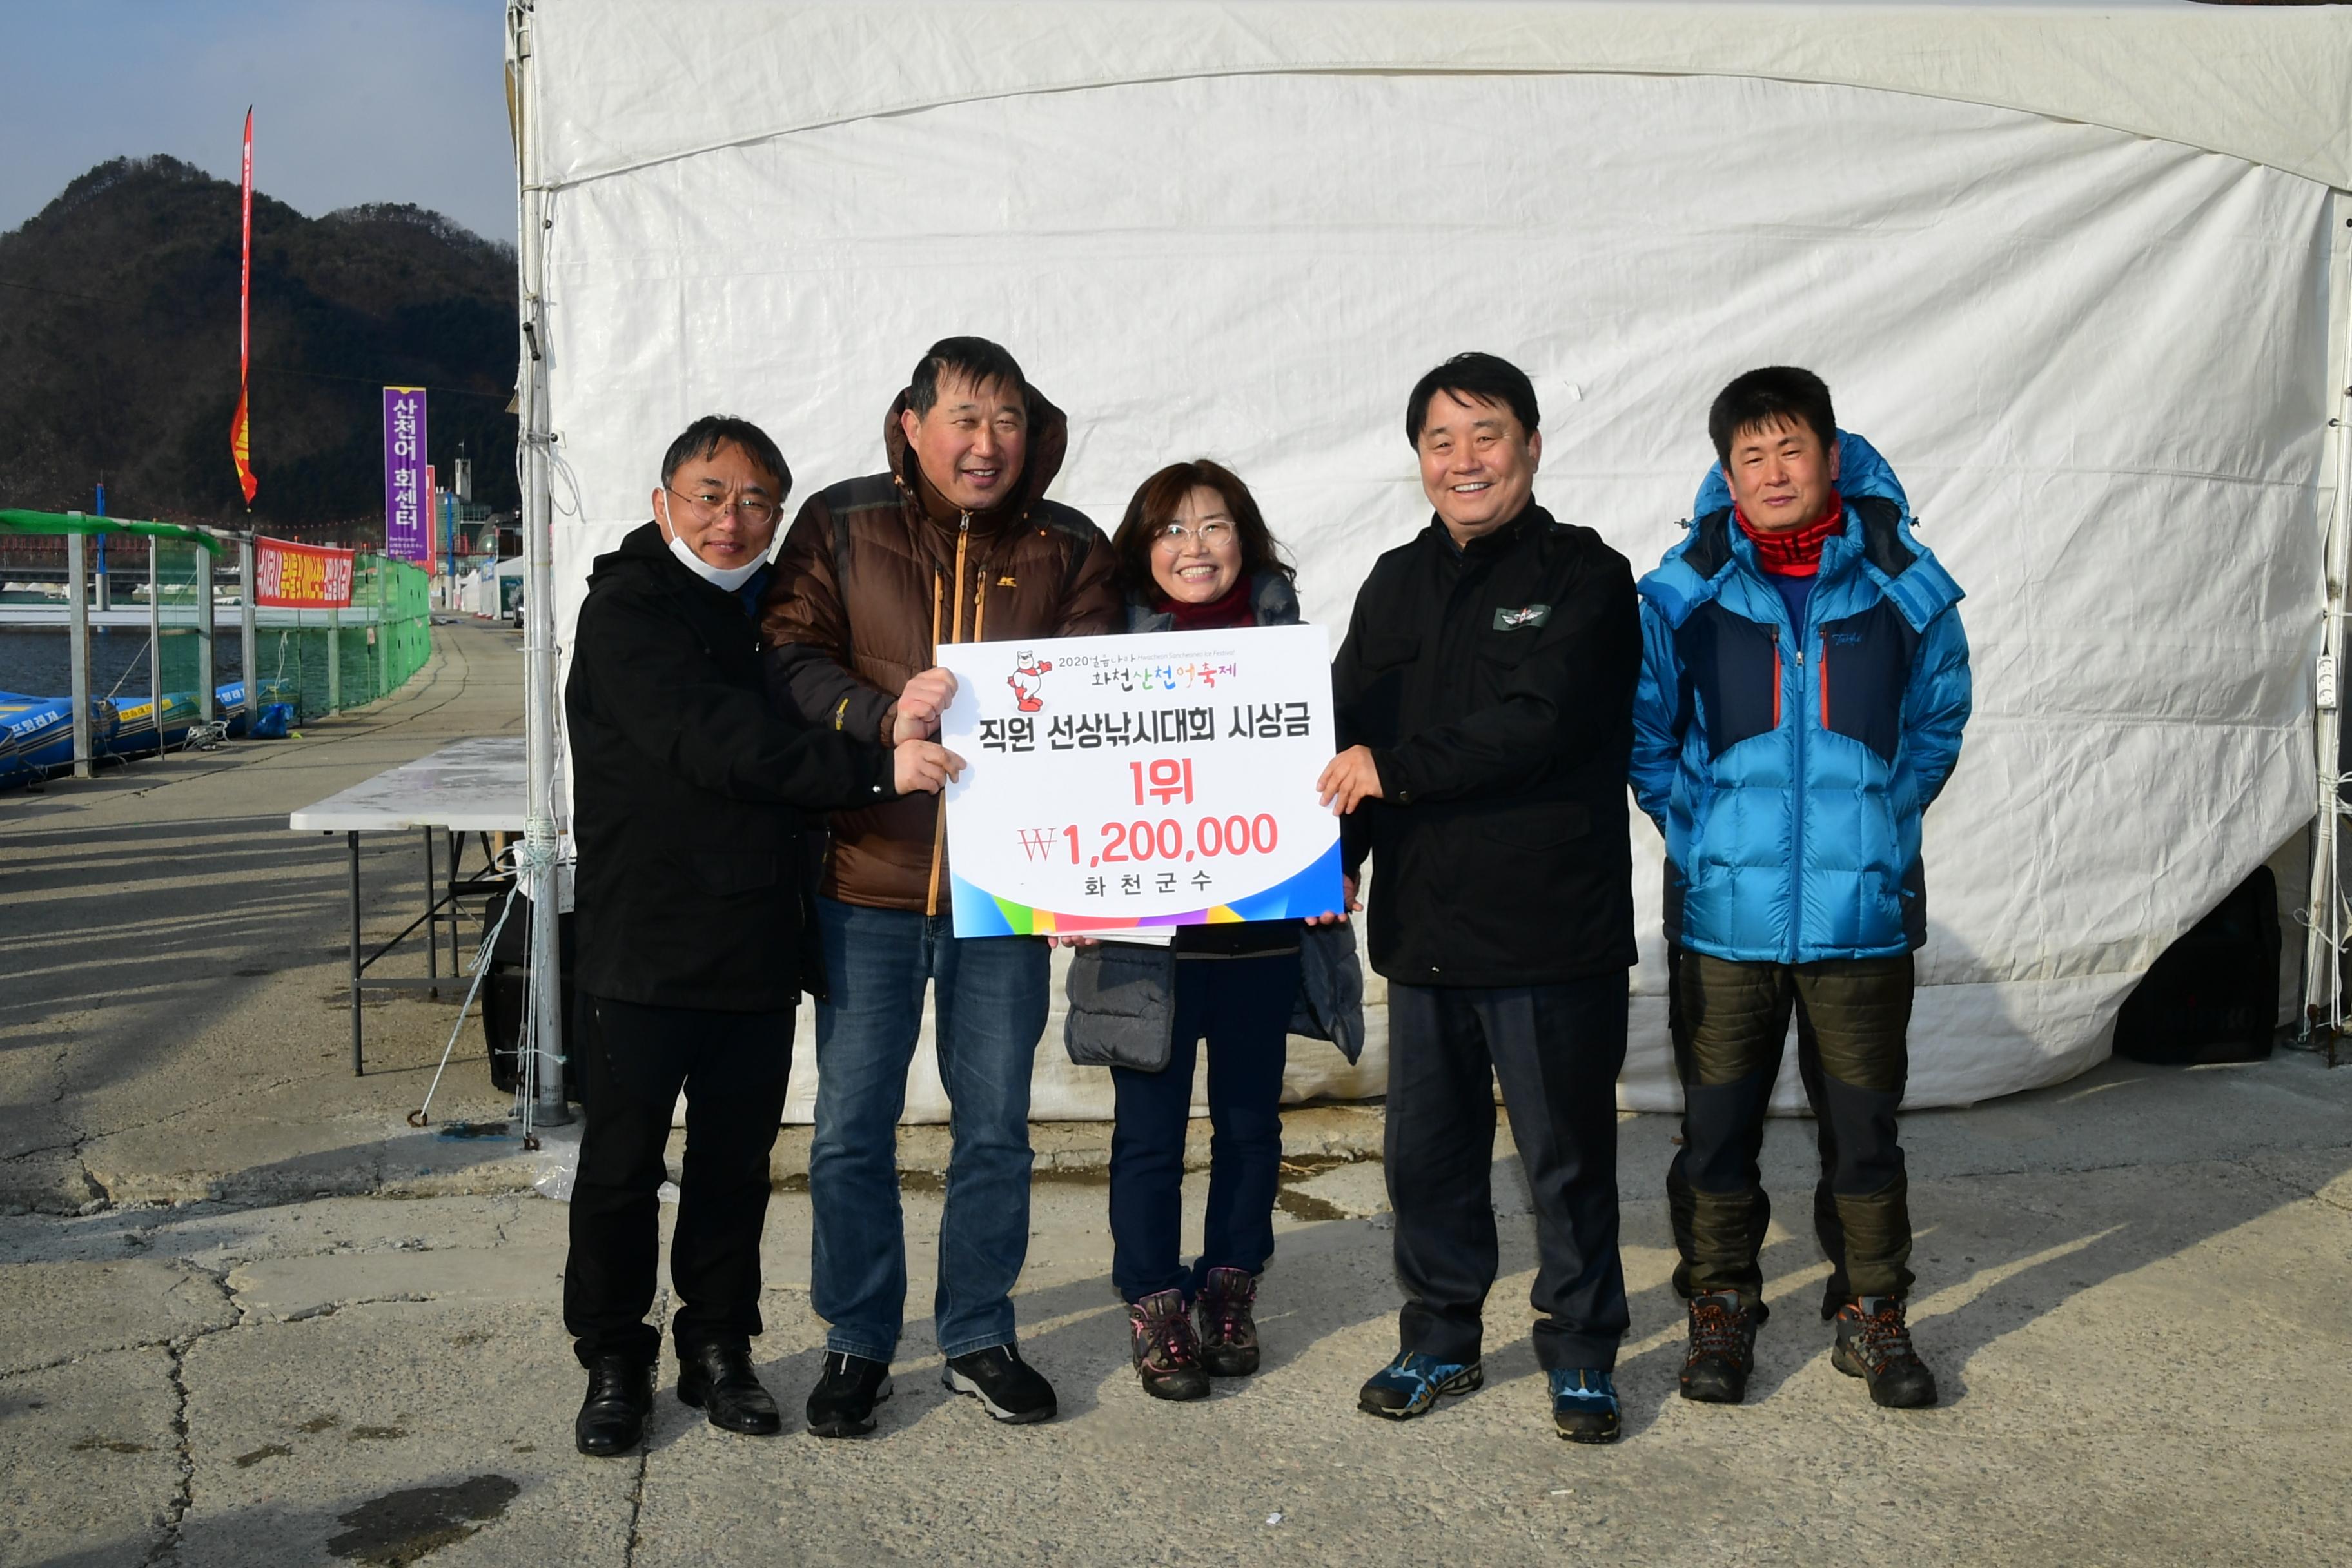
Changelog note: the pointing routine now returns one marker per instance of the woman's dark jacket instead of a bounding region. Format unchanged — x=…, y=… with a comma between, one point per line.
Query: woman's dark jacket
x=1494, y=683
x=1122, y=995
x=690, y=795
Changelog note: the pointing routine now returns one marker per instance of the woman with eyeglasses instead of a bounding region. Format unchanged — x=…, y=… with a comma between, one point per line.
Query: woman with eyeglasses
x=1195, y=554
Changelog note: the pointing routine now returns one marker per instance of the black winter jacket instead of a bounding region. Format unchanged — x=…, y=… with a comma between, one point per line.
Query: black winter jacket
x=1495, y=687
x=691, y=798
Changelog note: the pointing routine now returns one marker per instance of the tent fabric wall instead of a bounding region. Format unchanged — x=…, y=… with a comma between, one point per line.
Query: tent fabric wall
x=2265, y=85
x=2100, y=362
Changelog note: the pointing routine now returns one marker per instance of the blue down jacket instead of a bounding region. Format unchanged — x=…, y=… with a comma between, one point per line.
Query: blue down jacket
x=1788, y=766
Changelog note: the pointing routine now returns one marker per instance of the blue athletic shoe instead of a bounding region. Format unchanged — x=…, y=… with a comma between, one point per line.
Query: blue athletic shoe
x=1412, y=1384
x=1583, y=1405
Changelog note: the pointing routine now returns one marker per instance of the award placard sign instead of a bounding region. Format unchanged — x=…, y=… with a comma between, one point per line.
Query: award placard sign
x=1140, y=782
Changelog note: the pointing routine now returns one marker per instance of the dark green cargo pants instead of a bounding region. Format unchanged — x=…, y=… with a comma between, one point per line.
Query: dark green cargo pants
x=1729, y=1022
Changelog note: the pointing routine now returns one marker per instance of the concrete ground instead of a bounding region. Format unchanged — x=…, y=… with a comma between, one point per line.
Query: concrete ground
x=248, y=1316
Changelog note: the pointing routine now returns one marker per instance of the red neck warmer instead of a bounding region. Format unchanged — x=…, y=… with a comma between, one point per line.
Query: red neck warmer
x=1233, y=609
x=1797, y=552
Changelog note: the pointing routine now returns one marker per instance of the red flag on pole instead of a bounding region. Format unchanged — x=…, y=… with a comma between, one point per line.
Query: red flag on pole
x=240, y=439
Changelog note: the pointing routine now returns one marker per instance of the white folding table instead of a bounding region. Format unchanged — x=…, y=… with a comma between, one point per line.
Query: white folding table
x=475, y=785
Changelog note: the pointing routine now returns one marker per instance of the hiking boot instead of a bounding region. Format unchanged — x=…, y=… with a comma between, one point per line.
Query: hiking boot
x=1583, y=1404
x=612, y=1420
x=1414, y=1382
x=1166, y=1355
x=1007, y=1387
x=1722, y=1348
x=1874, y=1344
x=717, y=1379
x=847, y=1389
x=1228, y=1332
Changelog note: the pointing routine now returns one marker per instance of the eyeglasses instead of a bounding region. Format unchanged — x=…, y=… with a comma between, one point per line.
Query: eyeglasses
x=1176, y=536
x=711, y=508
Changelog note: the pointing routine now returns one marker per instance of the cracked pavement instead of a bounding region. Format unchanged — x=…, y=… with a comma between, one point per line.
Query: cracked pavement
x=247, y=1316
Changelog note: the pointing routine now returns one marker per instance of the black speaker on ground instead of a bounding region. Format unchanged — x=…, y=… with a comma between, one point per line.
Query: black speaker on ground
x=2213, y=995
x=502, y=995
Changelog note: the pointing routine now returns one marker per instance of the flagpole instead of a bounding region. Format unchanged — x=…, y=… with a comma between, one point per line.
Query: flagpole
x=240, y=435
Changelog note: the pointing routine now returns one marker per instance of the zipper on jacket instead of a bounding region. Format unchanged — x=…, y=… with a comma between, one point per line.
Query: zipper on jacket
x=955, y=633
x=1797, y=799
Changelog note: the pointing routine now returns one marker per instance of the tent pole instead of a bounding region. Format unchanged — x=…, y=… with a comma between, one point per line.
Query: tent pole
x=2324, y=936
x=537, y=869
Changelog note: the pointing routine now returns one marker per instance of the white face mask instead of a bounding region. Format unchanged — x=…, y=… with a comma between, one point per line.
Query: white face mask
x=727, y=577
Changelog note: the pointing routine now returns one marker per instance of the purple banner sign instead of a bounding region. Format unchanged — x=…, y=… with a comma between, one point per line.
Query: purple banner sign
x=407, y=511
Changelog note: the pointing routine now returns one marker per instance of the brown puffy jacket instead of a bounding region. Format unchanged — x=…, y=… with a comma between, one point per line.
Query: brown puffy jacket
x=871, y=581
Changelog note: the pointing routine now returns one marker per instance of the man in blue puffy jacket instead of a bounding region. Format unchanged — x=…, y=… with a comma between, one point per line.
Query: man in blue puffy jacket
x=1804, y=682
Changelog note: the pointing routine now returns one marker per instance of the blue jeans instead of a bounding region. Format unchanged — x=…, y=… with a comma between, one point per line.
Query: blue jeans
x=991, y=1006
x=1243, y=1006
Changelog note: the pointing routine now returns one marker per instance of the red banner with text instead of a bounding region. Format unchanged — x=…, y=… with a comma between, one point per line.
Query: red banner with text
x=289, y=576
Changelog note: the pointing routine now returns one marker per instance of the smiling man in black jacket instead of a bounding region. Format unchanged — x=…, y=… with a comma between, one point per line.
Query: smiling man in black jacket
x=1485, y=698
x=690, y=800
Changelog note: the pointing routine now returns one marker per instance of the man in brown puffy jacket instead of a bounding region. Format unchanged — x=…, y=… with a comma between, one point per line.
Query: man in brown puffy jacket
x=955, y=543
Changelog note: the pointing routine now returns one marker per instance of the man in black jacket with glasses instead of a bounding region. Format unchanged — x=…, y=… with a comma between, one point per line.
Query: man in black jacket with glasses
x=691, y=798
x=1485, y=696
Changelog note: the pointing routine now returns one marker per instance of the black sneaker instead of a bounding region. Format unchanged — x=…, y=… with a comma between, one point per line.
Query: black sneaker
x=1007, y=1387
x=847, y=1389
x=1414, y=1382
x=1874, y=1345
x=1722, y=1348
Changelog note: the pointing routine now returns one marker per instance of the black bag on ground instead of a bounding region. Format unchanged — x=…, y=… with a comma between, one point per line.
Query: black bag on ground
x=2213, y=995
x=502, y=995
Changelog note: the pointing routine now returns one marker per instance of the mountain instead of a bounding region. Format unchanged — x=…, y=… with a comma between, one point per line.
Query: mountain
x=117, y=351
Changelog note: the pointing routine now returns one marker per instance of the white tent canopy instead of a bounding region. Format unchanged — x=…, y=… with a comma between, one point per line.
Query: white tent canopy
x=2076, y=270
x=480, y=591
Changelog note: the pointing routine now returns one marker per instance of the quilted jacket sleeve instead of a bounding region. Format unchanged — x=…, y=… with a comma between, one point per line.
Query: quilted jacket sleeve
x=806, y=630
x=1935, y=703
x=1661, y=714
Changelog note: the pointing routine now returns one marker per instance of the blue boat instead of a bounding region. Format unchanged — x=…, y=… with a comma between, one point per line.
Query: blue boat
x=38, y=734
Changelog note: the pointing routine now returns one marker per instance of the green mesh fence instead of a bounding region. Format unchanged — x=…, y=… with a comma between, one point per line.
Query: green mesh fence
x=321, y=661
x=326, y=660
x=182, y=573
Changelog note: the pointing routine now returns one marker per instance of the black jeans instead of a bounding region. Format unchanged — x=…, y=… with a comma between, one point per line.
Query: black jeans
x=1243, y=1006
x=732, y=1067
x=1556, y=1050
x=1729, y=1023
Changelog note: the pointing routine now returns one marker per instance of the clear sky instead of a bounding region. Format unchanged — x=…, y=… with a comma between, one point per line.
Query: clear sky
x=396, y=100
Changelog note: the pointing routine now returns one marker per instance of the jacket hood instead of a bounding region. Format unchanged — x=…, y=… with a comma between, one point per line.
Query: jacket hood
x=1049, y=443
x=640, y=548
x=1877, y=531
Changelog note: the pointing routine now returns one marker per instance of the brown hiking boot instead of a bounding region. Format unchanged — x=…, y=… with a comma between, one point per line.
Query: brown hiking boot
x=1722, y=1348
x=1228, y=1332
x=1874, y=1345
x=1167, y=1357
